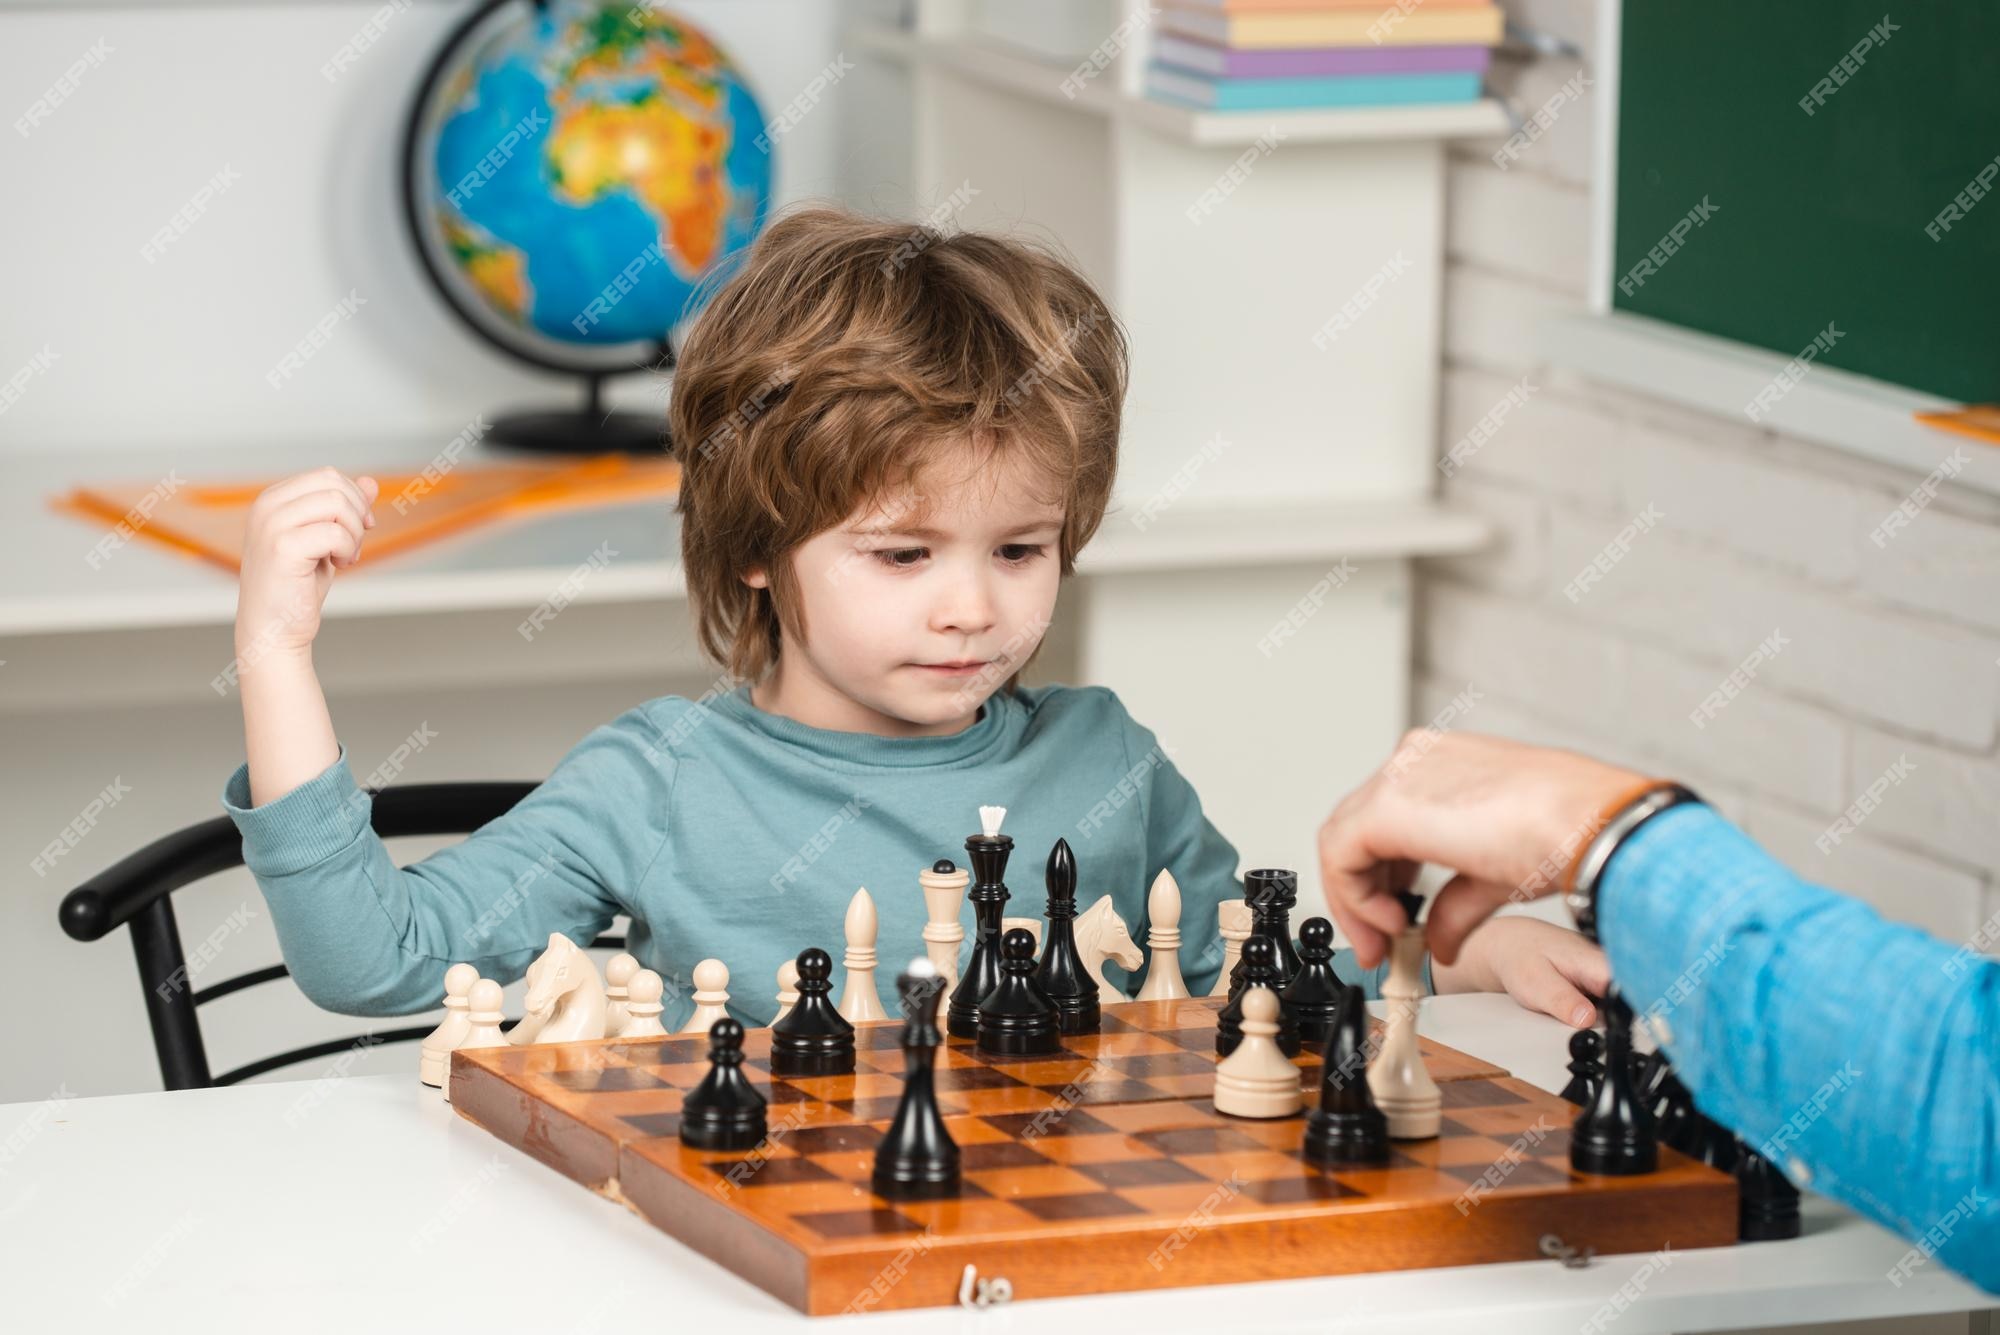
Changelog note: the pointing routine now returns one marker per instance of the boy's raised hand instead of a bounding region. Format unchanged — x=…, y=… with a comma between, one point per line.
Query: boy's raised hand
x=301, y=530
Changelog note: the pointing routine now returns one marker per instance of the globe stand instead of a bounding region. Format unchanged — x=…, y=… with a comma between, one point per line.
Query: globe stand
x=586, y=430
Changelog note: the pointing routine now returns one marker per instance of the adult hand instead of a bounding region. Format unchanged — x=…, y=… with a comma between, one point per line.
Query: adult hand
x=1505, y=816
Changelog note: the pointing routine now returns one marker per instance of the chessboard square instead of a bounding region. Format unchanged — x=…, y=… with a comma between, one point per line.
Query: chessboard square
x=1283, y=1134
x=967, y=1129
x=856, y=1166
x=654, y=1123
x=1113, y=1148
x=1186, y=1086
x=1157, y=1115
x=1478, y=1094
x=665, y=1051
x=1259, y=1165
x=818, y=1140
x=611, y=1080
x=1057, y=1122
x=997, y=1154
x=876, y=1221
x=875, y=1109
x=1187, y=1141
x=1503, y=1176
x=1116, y=1047
x=1019, y=1098
x=1108, y=1023
x=1192, y=1040
x=1054, y=1073
x=1049, y=1179
x=682, y=1077
x=1298, y=1188
x=1456, y=1151
x=751, y=1174
x=973, y=1212
x=1167, y=1064
x=1120, y=1174
x=879, y=1037
x=1068, y=1205
x=1120, y=1090
x=836, y=1088
x=975, y=1077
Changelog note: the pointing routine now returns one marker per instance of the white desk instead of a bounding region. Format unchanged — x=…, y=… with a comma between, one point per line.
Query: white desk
x=367, y=1204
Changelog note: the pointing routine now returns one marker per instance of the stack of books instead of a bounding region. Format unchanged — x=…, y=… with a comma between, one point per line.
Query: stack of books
x=1287, y=55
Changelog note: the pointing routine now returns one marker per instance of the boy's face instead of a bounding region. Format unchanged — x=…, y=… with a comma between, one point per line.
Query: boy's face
x=912, y=618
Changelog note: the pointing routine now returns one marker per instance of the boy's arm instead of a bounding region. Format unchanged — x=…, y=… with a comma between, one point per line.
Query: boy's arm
x=365, y=937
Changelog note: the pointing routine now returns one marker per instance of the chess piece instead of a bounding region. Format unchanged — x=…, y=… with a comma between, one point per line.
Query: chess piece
x=1271, y=894
x=858, y=999
x=1017, y=1019
x=1615, y=1134
x=814, y=1038
x=564, y=1001
x=1232, y=923
x=1398, y=1078
x=618, y=971
x=643, y=1006
x=1258, y=1079
x=1259, y=970
x=1101, y=935
x=724, y=1111
x=788, y=988
x=944, y=890
x=917, y=1158
x=988, y=851
x=1061, y=975
x=435, y=1055
x=482, y=1016
x=1347, y=1127
x=1767, y=1204
x=1586, y=1066
x=1163, y=936
x=1313, y=997
x=711, y=996
x=1032, y=926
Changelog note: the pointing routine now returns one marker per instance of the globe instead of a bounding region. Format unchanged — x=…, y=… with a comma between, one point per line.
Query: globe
x=573, y=169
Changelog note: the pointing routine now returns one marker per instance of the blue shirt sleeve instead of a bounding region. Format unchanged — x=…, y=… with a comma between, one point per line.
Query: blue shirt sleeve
x=1862, y=1056
x=363, y=936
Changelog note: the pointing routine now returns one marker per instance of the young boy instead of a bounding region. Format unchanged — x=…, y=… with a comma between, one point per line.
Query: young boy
x=892, y=453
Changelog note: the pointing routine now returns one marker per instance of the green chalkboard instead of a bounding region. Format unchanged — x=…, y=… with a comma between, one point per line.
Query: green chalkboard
x=1819, y=212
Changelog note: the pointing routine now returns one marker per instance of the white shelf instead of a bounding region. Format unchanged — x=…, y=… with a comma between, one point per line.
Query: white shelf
x=1849, y=412
x=1042, y=81
x=49, y=588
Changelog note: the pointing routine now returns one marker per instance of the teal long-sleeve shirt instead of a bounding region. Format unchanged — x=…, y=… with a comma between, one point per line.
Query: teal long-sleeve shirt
x=724, y=831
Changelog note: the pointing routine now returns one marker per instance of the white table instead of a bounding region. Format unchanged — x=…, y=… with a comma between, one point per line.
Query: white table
x=365, y=1203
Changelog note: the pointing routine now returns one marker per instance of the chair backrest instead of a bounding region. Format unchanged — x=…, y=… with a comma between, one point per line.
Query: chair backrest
x=137, y=892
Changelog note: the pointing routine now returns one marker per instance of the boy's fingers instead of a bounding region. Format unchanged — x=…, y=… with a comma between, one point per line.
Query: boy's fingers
x=1585, y=965
x=1553, y=994
x=1463, y=903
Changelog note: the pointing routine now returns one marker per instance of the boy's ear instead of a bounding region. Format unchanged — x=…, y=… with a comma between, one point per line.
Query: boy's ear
x=756, y=578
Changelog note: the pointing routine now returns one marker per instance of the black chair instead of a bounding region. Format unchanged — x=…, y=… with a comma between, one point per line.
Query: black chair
x=138, y=893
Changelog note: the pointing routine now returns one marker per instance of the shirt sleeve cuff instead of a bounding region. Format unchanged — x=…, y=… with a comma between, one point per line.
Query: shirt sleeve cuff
x=304, y=827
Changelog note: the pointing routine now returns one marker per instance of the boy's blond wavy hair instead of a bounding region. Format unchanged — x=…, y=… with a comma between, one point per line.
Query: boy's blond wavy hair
x=844, y=357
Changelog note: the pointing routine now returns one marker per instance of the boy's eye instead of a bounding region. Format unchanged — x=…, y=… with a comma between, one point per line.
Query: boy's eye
x=1020, y=553
x=900, y=557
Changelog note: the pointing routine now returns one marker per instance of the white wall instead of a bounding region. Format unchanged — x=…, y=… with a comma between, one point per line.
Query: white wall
x=1890, y=652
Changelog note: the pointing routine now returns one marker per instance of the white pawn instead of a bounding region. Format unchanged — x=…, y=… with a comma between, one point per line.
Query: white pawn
x=642, y=1006
x=1409, y=1099
x=1258, y=1079
x=711, y=996
x=1232, y=921
x=859, y=999
x=944, y=892
x=434, y=1058
x=788, y=988
x=1163, y=907
x=618, y=971
x=482, y=1016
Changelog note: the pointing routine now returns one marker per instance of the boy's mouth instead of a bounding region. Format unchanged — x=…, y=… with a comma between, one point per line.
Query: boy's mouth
x=962, y=668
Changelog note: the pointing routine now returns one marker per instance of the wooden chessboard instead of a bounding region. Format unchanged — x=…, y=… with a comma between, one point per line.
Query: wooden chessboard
x=1115, y=1140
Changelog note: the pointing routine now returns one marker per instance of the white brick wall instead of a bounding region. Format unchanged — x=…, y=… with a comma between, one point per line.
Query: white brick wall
x=1890, y=652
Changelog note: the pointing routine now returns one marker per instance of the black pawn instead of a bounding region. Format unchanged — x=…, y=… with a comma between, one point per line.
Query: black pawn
x=1271, y=893
x=1260, y=970
x=1062, y=976
x=1347, y=1127
x=1314, y=995
x=1586, y=1066
x=1017, y=1019
x=988, y=897
x=917, y=1158
x=1615, y=1135
x=813, y=1038
x=1767, y=1204
x=724, y=1111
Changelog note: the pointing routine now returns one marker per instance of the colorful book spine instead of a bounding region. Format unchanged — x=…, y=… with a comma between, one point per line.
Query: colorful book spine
x=1342, y=90
x=1481, y=25
x=1299, y=62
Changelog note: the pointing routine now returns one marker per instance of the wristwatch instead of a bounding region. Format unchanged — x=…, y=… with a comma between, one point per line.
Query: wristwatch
x=1616, y=824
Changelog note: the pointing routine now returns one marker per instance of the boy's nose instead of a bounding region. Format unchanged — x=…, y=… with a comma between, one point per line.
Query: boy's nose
x=967, y=606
